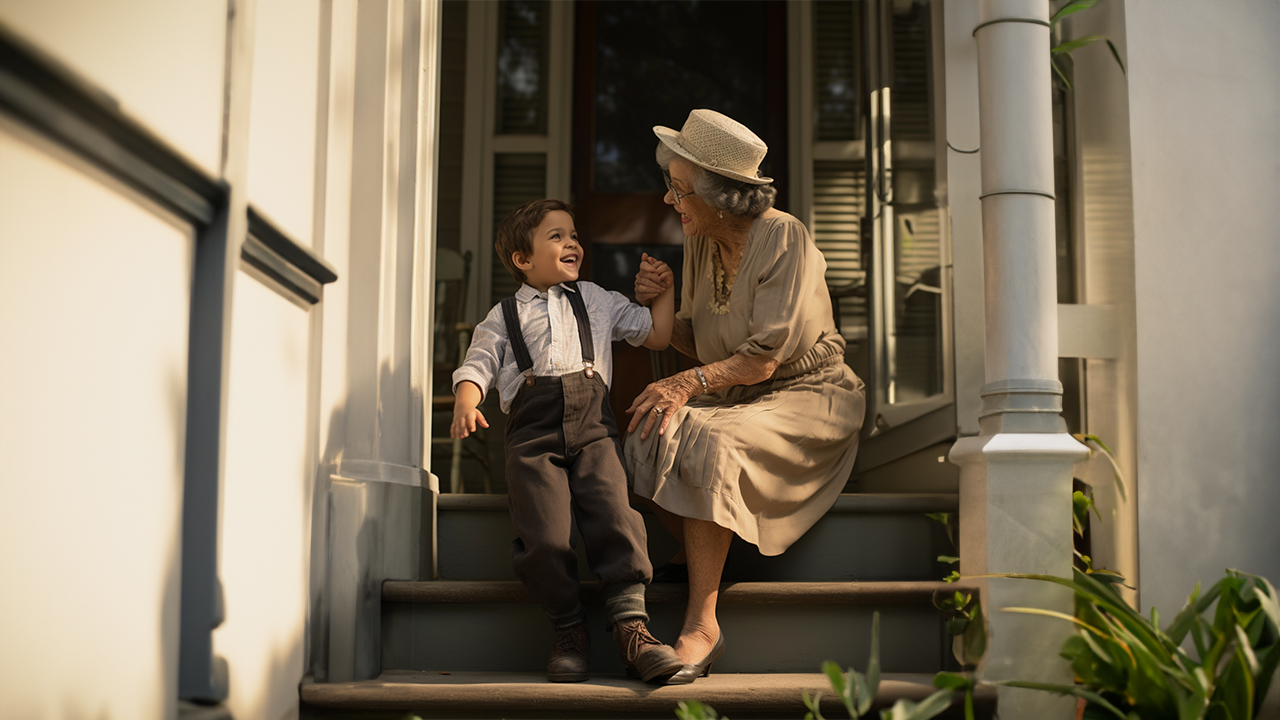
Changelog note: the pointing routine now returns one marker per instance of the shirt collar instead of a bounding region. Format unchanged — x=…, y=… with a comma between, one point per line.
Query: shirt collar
x=527, y=292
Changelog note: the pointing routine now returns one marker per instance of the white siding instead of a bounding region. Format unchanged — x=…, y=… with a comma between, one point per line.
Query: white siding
x=266, y=504
x=162, y=60
x=94, y=309
x=1204, y=95
x=282, y=120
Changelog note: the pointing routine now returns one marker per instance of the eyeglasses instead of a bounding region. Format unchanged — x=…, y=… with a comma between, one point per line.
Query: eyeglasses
x=678, y=195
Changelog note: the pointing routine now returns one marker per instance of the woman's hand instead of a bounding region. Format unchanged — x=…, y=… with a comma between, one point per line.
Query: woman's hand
x=659, y=401
x=655, y=277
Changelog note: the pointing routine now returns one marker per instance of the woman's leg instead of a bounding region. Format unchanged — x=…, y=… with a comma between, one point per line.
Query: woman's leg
x=672, y=522
x=706, y=544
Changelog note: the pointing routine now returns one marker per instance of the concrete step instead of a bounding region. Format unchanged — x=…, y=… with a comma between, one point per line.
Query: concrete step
x=772, y=627
x=866, y=537
x=742, y=696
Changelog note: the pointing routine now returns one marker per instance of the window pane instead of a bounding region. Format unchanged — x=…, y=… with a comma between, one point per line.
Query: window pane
x=524, y=33
x=837, y=112
x=656, y=61
x=517, y=179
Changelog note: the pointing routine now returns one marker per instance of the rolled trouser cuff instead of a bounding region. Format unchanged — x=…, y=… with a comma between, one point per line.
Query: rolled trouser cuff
x=624, y=601
x=567, y=616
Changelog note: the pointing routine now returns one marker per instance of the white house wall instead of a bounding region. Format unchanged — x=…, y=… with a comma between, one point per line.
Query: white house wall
x=266, y=504
x=282, y=115
x=95, y=288
x=1204, y=95
x=163, y=61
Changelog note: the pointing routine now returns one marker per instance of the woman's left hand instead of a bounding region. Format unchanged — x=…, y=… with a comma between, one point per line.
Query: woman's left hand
x=658, y=402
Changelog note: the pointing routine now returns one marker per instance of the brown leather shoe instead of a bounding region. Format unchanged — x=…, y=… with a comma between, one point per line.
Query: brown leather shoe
x=568, y=661
x=642, y=653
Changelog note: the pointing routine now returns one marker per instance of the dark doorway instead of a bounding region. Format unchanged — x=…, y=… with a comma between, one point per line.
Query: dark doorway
x=642, y=63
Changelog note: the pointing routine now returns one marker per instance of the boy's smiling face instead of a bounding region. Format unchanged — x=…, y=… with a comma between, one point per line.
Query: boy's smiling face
x=556, y=255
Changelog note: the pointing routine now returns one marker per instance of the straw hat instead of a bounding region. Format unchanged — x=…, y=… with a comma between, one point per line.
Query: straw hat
x=719, y=144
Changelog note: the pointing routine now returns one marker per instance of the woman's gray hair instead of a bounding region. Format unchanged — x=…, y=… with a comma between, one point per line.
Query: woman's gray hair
x=722, y=193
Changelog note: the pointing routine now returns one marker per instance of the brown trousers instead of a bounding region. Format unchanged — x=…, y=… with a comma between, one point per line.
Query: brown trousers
x=564, y=462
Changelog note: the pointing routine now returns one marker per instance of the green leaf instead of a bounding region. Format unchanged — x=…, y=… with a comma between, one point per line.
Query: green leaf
x=1071, y=8
x=1116, y=54
x=873, y=668
x=951, y=681
x=814, y=705
x=974, y=644
x=1061, y=75
x=844, y=689
x=1093, y=440
x=1071, y=46
x=949, y=559
x=1235, y=687
x=694, y=710
x=930, y=707
x=1075, y=690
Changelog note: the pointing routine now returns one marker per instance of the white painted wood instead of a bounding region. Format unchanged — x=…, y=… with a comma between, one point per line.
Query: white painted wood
x=163, y=61
x=800, y=108
x=1088, y=331
x=267, y=500
x=964, y=210
x=559, y=139
x=95, y=288
x=282, y=116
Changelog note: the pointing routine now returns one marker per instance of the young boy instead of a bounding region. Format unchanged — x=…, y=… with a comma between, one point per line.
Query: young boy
x=548, y=350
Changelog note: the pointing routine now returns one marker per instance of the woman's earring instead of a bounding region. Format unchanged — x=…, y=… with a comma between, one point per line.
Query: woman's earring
x=720, y=213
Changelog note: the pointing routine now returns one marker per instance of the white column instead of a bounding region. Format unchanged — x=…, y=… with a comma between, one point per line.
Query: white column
x=1015, y=477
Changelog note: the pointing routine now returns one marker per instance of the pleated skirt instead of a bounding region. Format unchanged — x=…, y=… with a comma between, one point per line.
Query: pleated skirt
x=765, y=461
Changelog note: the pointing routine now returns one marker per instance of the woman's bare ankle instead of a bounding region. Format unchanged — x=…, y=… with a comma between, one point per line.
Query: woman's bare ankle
x=696, y=641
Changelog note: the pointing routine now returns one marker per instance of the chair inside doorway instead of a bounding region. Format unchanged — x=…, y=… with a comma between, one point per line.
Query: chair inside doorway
x=452, y=336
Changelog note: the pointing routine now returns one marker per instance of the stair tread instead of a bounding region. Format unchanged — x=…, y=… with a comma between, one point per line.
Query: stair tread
x=741, y=593
x=845, y=503
x=728, y=693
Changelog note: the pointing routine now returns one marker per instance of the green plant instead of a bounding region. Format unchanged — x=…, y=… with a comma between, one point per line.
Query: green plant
x=1062, y=51
x=1128, y=667
x=694, y=710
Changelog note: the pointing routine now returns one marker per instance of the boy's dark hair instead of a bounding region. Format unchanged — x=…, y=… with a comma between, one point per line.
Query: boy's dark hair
x=515, y=233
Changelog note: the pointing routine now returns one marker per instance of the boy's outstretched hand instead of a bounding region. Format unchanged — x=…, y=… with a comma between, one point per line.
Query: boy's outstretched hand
x=655, y=277
x=466, y=416
x=465, y=421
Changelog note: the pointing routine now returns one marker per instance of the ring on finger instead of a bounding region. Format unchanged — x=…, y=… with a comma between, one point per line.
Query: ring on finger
x=658, y=411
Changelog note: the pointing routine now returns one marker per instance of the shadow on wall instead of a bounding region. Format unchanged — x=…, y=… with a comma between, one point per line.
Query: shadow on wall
x=365, y=530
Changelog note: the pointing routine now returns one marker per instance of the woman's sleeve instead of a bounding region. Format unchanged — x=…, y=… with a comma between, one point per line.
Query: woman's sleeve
x=783, y=292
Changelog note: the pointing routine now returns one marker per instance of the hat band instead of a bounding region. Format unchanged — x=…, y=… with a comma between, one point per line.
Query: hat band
x=695, y=151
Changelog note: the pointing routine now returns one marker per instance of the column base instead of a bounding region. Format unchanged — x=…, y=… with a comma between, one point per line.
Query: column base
x=1015, y=517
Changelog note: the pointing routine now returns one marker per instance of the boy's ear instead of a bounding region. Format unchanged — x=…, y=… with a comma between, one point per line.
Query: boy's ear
x=520, y=260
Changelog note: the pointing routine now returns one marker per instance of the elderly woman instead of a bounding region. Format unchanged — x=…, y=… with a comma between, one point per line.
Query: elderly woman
x=759, y=439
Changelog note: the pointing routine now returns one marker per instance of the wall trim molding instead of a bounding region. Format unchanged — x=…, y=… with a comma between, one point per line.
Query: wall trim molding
x=59, y=104
x=292, y=266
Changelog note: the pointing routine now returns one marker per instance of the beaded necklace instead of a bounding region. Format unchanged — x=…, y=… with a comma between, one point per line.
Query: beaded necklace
x=721, y=288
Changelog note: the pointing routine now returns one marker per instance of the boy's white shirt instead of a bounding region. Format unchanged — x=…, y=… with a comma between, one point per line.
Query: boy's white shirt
x=551, y=332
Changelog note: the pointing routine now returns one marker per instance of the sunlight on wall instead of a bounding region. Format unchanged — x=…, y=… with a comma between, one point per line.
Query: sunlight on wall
x=94, y=308
x=266, y=504
x=282, y=120
x=162, y=60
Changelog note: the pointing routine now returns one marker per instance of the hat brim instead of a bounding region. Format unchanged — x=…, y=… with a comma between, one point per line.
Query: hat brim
x=671, y=138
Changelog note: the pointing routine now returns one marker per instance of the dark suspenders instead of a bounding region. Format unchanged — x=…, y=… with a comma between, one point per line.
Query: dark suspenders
x=524, y=361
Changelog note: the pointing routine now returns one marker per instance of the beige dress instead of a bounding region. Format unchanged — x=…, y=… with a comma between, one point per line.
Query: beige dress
x=765, y=460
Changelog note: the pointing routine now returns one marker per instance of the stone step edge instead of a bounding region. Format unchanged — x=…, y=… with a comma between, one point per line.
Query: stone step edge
x=846, y=503
x=508, y=692
x=742, y=593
